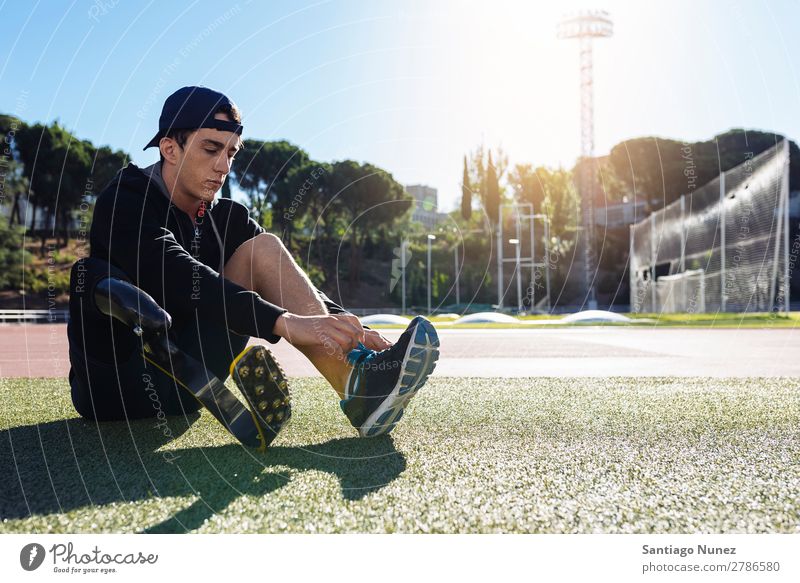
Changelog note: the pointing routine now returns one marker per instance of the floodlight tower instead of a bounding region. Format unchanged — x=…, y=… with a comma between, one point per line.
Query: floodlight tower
x=586, y=26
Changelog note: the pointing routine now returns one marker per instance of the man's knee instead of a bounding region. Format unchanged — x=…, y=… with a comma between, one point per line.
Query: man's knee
x=250, y=256
x=263, y=243
x=270, y=240
x=267, y=241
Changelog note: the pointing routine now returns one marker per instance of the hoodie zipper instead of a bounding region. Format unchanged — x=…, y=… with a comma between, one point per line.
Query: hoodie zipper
x=198, y=226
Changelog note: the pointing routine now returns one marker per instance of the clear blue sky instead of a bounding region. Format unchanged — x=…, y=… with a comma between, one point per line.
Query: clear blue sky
x=410, y=86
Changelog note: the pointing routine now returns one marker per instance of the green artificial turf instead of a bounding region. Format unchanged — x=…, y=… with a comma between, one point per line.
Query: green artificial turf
x=472, y=455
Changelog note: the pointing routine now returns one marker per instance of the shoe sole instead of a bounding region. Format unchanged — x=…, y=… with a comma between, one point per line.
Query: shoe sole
x=263, y=384
x=418, y=364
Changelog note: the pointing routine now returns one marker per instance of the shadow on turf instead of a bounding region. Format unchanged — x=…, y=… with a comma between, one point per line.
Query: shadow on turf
x=70, y=464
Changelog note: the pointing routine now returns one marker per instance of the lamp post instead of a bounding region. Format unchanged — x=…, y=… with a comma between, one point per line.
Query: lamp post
x=515, y=243
x=403, y=246
x=455, y=259
x=430, y=238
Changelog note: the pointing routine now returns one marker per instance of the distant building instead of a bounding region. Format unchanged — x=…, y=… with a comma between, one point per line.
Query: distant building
x=426, y=204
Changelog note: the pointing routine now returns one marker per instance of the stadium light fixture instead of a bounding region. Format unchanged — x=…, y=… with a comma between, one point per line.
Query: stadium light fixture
x=586, y=26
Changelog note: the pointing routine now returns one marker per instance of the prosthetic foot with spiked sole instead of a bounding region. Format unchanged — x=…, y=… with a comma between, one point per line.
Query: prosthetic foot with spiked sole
x=267, y=409
x=263, y=384
x=267, y=406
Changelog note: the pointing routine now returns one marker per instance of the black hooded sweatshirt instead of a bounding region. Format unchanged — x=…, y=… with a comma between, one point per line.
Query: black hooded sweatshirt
x=137, y=229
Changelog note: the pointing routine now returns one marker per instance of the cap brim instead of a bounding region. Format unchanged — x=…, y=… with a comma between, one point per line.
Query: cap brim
x=154, y=142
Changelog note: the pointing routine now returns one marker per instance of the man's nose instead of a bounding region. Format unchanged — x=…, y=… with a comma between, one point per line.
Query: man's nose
x=223, y=164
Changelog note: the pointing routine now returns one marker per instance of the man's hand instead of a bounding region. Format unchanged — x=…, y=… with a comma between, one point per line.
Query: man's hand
x=336, y=330
x=375, y=340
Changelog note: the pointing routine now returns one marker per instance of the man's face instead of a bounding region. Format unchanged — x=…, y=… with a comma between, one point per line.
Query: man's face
x=205, y=161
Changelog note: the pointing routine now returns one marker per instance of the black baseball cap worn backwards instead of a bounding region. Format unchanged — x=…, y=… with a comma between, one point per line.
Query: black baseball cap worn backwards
x=192, y=108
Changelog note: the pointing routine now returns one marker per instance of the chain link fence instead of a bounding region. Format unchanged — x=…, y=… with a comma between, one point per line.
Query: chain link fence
x=723, y=247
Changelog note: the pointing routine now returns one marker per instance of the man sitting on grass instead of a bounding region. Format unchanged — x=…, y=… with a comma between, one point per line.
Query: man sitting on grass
x=222, y=279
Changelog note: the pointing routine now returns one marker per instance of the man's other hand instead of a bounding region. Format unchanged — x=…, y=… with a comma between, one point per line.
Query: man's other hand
x=375, y=340
x=342, y=330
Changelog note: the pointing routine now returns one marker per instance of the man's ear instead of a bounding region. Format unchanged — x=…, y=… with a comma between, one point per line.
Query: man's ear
x=169, y=149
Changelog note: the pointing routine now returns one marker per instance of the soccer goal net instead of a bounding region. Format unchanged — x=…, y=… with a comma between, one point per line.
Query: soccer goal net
x=722, y=247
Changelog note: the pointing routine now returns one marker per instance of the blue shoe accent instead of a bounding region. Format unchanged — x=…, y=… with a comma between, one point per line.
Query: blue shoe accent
x=385, y=417
x=417, y=352
x=359, y=358
x=421, y=337
x=359, y=354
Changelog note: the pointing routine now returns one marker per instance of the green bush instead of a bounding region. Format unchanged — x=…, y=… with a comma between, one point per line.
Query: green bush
x=12, y=257
x=47, y=279
x=64, y=257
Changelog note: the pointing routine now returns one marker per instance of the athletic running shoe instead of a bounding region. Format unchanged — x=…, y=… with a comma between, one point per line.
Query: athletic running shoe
x=263, y=384
x=382, y=383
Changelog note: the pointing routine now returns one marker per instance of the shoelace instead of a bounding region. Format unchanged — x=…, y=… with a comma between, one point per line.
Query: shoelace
x=360, y=355
x=357, y=357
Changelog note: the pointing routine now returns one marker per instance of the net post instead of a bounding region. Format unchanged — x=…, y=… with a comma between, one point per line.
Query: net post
x=455, y=259
x=631, y=274
x=785, y=192
x=722, y=218
x=703, y=291
x=653, y=262
x=518, y=267
x=500, y=259
x=683, y=233
x=547, y=260
x=531, y=226
x=403, y=245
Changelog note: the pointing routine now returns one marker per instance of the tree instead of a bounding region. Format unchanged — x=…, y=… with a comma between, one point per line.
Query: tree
x=261, y=170
x=466, y=193
x=16, y=185
x=649, y=167
x=302, y=190
x=479, y=173
x=369, y=198
x=659, y=170
x=478, y=167
x=57, y=166
x=491, y=201
x=55, y=169
x=105, y=165
x=527, y=184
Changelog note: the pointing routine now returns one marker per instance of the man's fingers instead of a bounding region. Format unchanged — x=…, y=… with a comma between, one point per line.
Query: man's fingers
x=332, y=339
x=338, y=337
x=345, y=331
x=375, y=340
x=352, y=321
x=350, y=329
x=354, y=326
x=346, y=335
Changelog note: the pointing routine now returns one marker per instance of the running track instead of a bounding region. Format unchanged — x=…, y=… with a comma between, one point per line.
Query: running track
x=40, y=350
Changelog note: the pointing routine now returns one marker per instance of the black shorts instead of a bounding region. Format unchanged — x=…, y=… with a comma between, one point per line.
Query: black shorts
x=108, y=377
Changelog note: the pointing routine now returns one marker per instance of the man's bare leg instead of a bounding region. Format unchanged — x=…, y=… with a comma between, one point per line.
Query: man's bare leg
x=264, y=265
